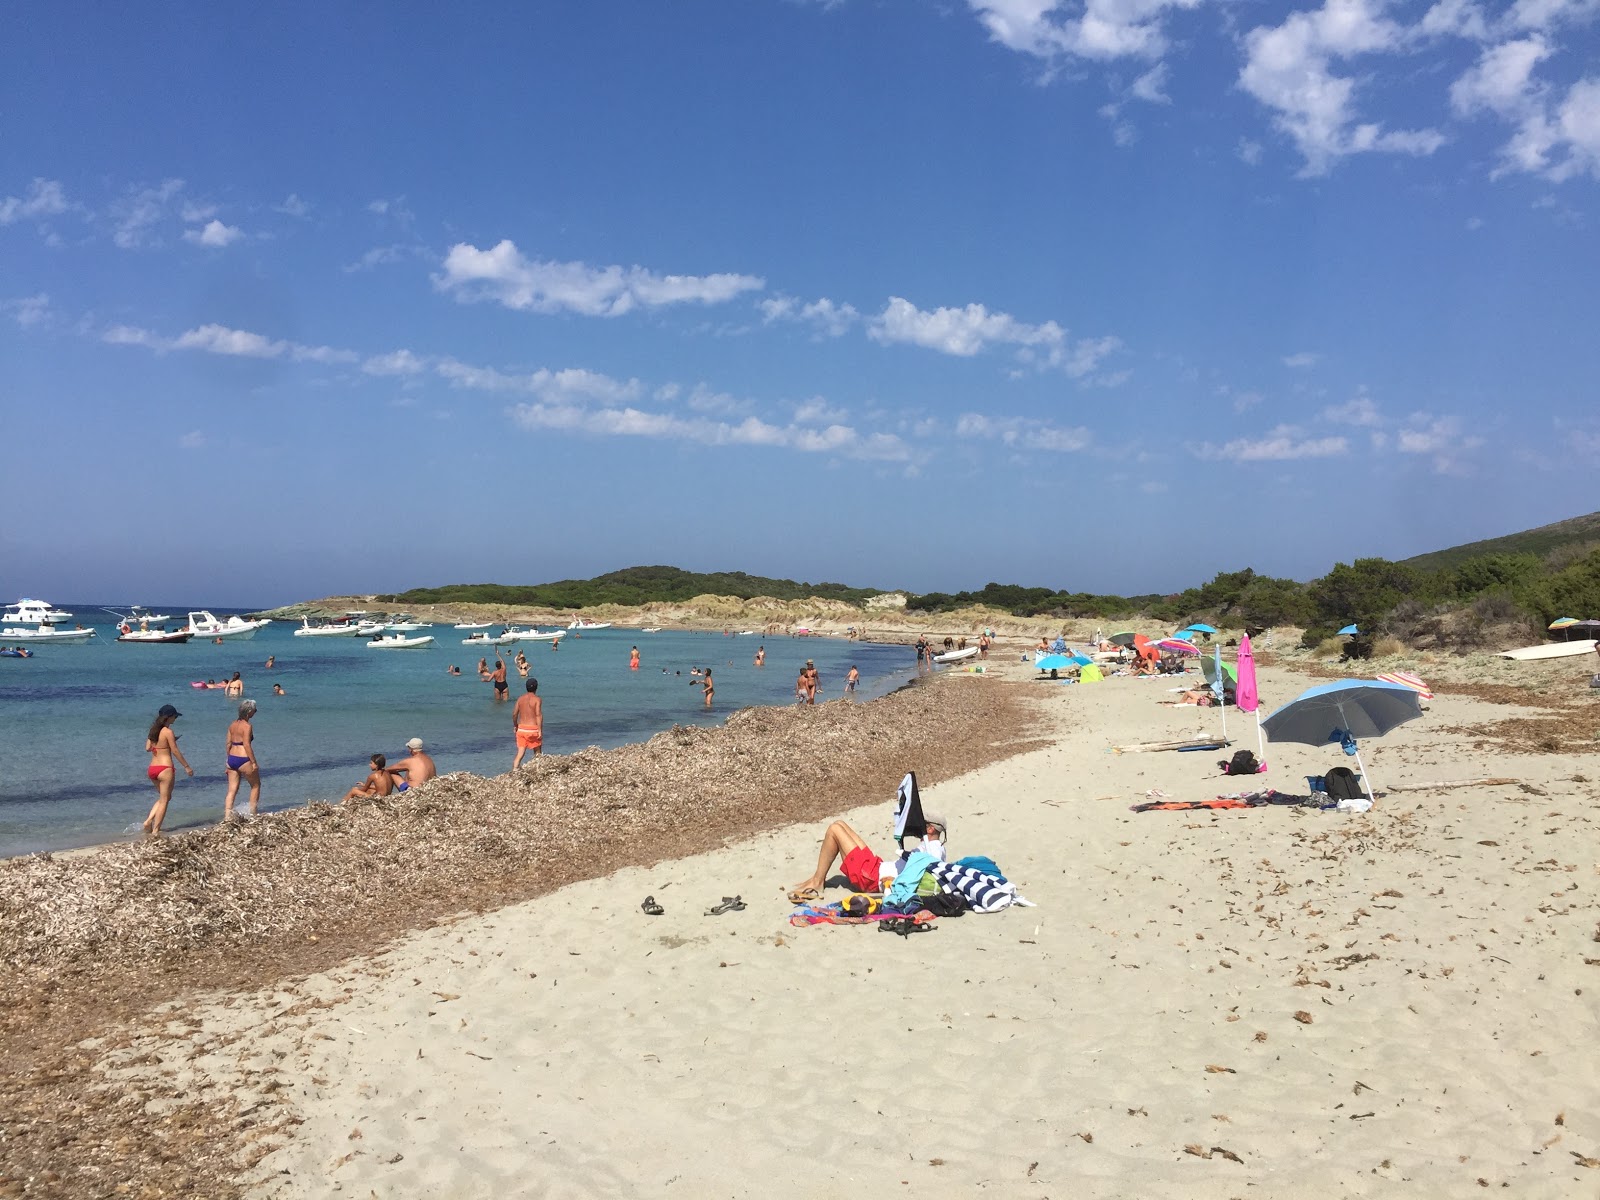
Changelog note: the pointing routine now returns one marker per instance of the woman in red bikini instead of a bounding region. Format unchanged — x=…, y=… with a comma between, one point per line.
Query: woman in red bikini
x=161, y=744
x=242, y=764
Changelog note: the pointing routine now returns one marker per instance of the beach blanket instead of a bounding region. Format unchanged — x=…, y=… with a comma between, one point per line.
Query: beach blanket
x=834, y=914
x=983, y=893
x=1261, y=799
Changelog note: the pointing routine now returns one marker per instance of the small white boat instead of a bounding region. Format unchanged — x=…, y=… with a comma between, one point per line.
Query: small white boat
x=340, y=628
x=203, y=624
x=371, y=628
x=533, y=635
x=580, y=623
x=33, y=612
x=138, y=614
x=652, y=629
x=406, y=623
x=398, y=641
x=485, y=639
x=476, y=625
x=1551, y=650
x=955, y=655
x=45, y=634
x=162, y=636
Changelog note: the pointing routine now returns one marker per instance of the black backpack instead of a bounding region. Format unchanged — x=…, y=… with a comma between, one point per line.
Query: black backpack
x=1243, y=762
x=1342, y=785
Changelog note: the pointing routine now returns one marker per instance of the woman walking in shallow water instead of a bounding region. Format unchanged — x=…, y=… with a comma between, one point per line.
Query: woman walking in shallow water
x=242, y=764
x=161, y=744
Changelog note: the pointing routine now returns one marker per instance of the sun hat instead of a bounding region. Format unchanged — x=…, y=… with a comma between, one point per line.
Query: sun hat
x=166, y=710
x=929, y=817
x=414, y=744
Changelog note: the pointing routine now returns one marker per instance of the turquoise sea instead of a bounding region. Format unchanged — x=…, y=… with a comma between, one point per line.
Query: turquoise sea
x=73, y=718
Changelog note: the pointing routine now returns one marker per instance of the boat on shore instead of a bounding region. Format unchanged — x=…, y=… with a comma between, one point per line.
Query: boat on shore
x=399, y=641
x=955, y=655
x=33, y=612
x=203, y=624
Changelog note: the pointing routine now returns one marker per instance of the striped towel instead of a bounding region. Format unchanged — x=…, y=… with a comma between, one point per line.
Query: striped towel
x=1406, y=679
x=983, y=893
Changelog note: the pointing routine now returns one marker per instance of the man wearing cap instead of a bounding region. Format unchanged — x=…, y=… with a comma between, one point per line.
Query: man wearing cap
x=857, y=863
x=413, y=771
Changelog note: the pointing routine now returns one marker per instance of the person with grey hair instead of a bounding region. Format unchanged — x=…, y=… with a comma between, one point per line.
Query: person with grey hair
x=242, y=764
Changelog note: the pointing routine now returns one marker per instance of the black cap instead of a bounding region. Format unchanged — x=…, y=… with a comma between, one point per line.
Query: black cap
x=166, y=710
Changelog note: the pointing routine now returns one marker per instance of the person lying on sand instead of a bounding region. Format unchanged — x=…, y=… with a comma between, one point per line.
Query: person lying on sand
x=1193, y=698
x=378, y=783
x=864, y=869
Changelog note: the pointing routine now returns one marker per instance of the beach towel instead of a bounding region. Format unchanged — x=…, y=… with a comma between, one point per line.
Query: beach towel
x=905, y=883
x=983, y=893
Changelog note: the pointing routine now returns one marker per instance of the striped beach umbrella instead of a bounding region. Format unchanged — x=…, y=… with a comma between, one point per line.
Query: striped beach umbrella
x=1562, y=622
x=1406, y=679
x=1175, y=645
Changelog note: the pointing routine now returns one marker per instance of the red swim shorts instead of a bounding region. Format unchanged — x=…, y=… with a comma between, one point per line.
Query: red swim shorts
x=861, y=867
x=530, y=739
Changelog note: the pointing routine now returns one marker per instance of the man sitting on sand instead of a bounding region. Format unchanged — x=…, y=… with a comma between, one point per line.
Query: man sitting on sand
x=378, y=783
x=864, y=869
x=415, y=770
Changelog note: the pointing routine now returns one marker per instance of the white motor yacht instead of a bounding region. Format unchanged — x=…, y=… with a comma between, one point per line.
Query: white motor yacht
x=36, y=635
x=203, y=624
x=33, y=612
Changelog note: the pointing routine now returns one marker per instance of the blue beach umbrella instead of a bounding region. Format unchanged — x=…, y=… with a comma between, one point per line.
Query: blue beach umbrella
x=1350, y=629
x=1080, y=660
x=1197, y=628
x=1342, y=712
x=1055, y=662
x=1184, y=635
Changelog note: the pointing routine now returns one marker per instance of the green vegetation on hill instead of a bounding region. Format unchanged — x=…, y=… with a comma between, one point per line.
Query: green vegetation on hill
x=631, y=586
x=1463, y=597
x=1574, y=536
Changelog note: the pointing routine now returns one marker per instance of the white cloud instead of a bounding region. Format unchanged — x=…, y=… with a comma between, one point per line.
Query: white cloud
x=293, y=206
x=321, y=354
x=45, y=198
x=1441, y=439
x=1249, y=152
x=132, y=335
x=28, y=310
x=193, y=212
x=1103, y=29
x=967, y=331
x=1288, y=69
x=1282, y=443
x=1303, y=359
x=396, y=211
x=572, y=385
x=1358, y=410
x=817, y=411
x=504, y=275
x=215, y=235
x=375, y=257
x=632, y=422
x=193, y=440
x=1023, y=433
x=400, y=362
x=1151, y=86
x=137, y=213
x=1459, y=18
x=239, y=343
x=824, y=316
x=1123, y=133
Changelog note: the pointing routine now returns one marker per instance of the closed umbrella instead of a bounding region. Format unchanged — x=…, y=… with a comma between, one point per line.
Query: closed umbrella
x=1220, y=687
x=1343, y=712
x=1245, y=694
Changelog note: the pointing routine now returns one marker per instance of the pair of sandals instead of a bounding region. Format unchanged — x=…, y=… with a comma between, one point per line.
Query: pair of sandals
x=729, y=904
x=905, y=926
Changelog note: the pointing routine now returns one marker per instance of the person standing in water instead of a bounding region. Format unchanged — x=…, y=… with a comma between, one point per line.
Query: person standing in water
x=502, y=690
x=853, y=678
x=761, y=656
x=242, y=764
x=161, y=744
x=633, y=659
x=710, y=688
x=527, y=718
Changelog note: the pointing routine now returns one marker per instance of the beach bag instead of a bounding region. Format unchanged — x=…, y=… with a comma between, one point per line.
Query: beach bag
x=945, y=904
x=1243, y=762
x=1343, y=785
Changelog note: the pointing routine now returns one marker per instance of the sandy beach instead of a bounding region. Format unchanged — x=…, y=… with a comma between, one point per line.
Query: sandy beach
x=1266, y=1002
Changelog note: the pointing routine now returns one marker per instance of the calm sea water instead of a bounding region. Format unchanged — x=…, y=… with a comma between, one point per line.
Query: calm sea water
x=73, y=718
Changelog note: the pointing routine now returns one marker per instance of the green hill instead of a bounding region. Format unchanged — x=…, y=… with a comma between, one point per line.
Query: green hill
x=631, y=586
x=1576, y=533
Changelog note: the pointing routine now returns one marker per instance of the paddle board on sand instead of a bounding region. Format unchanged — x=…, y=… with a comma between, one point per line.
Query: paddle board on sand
x=1551, y=650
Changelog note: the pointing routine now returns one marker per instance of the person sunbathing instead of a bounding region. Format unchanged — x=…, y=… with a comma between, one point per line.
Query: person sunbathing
x=1193, y=698
x=864, y=870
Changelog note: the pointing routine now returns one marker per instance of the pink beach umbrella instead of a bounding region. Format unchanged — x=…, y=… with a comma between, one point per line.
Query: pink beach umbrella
x=1176, y=646
x=1245, y=693
x=1406, y=679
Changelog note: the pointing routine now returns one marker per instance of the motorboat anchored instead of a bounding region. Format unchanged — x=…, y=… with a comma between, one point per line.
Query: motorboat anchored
x=406, y=624
x=138, y=614
x=45, y=635
x=398, y=641
x=581, y=623
x=33, y=612
x=484, y=639
x=476, y=625
x=533, y=635
x=343, y=627
x=126, y=633
x=203, y=624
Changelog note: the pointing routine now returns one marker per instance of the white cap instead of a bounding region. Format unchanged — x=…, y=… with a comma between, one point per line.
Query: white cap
x=414, y=744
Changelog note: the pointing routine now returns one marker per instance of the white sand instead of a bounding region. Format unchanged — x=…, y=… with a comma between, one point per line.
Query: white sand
x=573, y=1046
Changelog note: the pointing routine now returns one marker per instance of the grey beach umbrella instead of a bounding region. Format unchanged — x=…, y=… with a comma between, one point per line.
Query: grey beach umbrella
x=1344, y=712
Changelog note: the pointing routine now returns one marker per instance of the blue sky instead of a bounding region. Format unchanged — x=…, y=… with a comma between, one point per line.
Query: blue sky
x=302, y=298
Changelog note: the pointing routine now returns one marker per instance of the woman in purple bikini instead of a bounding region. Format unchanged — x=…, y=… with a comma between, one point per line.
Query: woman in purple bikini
x=242, y=762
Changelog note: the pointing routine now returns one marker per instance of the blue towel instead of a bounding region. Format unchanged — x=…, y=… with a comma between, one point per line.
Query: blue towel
x=982, y=863
x=905, y=883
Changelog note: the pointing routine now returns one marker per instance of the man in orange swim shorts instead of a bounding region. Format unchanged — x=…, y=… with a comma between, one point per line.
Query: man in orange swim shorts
x=527, y=718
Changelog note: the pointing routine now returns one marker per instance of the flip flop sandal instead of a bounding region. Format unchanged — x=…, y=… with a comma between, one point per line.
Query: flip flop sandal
x=651, y=908
x=808, y=895
x=729, y=904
